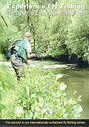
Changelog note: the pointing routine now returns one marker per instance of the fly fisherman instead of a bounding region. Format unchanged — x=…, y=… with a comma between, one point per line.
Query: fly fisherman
x=20, y=55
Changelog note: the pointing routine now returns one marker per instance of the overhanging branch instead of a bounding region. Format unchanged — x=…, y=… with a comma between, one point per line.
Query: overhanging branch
x=3, y=19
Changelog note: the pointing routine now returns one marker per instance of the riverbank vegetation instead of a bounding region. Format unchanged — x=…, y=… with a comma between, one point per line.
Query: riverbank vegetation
x=42, y=96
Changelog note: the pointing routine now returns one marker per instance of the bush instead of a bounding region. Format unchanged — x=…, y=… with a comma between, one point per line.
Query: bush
x=2, y=57
x=7, y=82
x=41, y=95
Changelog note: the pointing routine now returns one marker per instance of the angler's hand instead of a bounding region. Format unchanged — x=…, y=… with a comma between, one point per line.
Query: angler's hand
x=27, y=62
x=32, y=55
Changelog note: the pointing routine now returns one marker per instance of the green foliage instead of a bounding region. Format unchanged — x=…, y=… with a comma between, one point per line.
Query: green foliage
x=40, y=95
x=2, y=57
x=6, y=83
x=78, y=34
x=78, y=39
x=52, y=34
x=5, y=37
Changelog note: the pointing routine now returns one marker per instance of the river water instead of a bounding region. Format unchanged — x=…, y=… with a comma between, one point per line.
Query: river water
x=76, y=80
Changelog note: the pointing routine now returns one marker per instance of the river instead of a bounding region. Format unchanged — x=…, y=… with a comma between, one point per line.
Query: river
x=76, y=80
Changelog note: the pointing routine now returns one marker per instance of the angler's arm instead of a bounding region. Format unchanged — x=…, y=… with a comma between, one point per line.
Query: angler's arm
x=29, y=55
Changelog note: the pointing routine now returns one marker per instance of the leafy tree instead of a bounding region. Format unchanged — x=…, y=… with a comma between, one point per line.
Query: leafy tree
x=78, y=36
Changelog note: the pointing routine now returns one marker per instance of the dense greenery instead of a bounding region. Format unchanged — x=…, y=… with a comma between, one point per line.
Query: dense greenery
x=53, y=34
x=43, y=95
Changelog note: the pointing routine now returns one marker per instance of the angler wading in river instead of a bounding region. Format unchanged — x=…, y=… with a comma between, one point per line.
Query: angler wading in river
x=20, y=54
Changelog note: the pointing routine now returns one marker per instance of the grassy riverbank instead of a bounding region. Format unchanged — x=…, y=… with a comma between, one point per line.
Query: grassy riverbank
x=40, y=95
